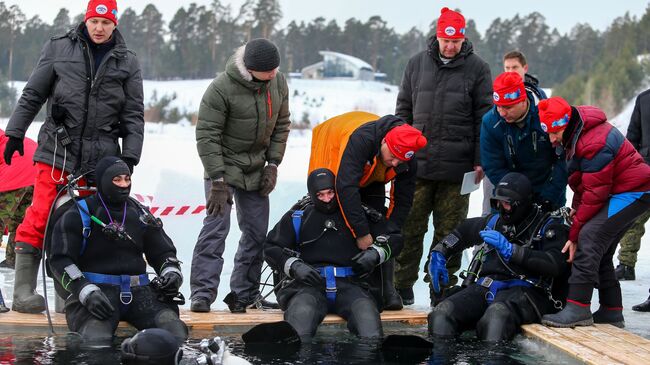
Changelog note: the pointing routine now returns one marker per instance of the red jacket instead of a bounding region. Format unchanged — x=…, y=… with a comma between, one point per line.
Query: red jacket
x=22, y=172
x=603, y=163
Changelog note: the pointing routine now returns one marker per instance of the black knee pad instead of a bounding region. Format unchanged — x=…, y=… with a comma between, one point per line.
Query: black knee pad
x=364, y=319
x=97, y=331
x=305, y=314
x=498, y=323
x=441, y=320
x=168, y=320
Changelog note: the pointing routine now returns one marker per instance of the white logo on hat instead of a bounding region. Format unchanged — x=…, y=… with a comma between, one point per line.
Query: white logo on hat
x=450, y=30
x=544, y=127
x=101, y=9
x=495, y=96
x=409, y=154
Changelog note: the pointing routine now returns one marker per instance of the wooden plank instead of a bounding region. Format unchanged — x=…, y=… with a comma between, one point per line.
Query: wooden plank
x=210, y=320
x=607, y=344
x=584, y=353
x=638, y=341
x=598, y=344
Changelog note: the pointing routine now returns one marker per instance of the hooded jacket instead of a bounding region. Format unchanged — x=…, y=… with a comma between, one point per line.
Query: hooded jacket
x=601, y=163
x=446, y=102
x=102, y=105
x=243, y=124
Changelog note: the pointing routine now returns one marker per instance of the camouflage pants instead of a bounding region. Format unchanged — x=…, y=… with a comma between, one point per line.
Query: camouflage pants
x=442, y=200
x=631, y=242
x=12, y=210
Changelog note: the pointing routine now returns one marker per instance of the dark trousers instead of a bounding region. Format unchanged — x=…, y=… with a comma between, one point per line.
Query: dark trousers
x=593, y=264
x=306, y=306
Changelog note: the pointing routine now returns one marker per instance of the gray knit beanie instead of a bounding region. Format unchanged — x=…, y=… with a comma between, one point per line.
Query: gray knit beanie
x=261, y=55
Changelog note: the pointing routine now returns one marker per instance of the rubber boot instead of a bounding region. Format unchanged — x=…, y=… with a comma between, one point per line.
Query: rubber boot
x=643, y=307
x=26, y=300
x=408, y=298
x=392, y=300
x=625, y=272
x=607, y=315
x=574, y=314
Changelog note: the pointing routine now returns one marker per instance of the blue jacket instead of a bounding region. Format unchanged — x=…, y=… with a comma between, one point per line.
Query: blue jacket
x=507, y=148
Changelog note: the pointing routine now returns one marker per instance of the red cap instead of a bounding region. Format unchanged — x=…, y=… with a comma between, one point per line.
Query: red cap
x=103, y=9
x=554, y=114
x=451, y=24
x=508, y=89
x=403, y=141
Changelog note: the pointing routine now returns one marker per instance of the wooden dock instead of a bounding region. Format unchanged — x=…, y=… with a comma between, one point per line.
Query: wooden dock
x=217, y=321
x=596, y=345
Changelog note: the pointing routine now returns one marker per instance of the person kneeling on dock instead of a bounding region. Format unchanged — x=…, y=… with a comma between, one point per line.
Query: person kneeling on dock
x=520, y=268
x=326, y=271
x=99, y=267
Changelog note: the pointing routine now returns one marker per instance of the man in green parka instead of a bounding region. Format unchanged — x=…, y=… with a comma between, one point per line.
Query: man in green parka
x=241, y=136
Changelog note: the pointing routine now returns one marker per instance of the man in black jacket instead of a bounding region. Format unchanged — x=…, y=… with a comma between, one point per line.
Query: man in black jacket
x=445, y=91
x=327, y=272
x=100, y=269
x=92, y=85
x=638, y=133
x=521, y=275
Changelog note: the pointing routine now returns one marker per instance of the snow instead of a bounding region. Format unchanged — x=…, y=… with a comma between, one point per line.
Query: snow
x=171, y=171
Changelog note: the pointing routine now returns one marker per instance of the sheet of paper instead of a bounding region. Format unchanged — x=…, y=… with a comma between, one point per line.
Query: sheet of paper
x=468, y=183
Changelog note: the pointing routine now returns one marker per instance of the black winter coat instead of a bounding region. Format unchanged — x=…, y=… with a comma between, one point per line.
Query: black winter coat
x=638, y=131
x=361, y=155
x=446, y=102
x=102, y=105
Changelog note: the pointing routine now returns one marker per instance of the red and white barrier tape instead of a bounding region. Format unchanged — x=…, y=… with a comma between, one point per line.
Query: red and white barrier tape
x=169, y=210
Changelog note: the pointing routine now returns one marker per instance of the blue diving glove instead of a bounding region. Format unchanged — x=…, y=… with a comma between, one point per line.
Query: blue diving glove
x=438, y=270
x=498, y=241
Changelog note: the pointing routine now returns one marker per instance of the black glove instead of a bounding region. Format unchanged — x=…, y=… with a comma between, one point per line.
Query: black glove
x=305, y=274
x=365, y=261
x=269, y=178
x=129, y=162
x=13, y=144
x=219, y=197
x=98, y=305
x=170, y=283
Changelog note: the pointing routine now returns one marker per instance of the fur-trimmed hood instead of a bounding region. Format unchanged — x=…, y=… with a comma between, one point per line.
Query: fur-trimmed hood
x=238, y=60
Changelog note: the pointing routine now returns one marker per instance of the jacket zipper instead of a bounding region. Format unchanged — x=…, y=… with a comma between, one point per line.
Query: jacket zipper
x=268, y=102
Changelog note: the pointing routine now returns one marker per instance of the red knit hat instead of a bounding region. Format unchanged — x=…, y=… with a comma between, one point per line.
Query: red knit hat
x=103, y=9
x=403, y=141
x=508, y=89
x=554, y=114
x=451, y=24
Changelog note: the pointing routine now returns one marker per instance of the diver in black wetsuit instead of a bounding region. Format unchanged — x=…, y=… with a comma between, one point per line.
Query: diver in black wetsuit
x=313, y=246
x=523, y=273
x=100, y=269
